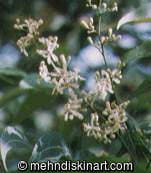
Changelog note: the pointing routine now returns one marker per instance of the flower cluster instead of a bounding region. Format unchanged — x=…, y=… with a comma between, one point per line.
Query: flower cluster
x=103, y=86
x=50, y=44
x=105, y=121
x=43, y=72
x=32, y=27
x=103, y=6
x=93, y=128
x=106, y=124
x=105, y=81
x=112, y=120
x=116, y=116
x=73, y=108
x=64, y=79
x=110, y=37
x=60, y=76
x=89, y=25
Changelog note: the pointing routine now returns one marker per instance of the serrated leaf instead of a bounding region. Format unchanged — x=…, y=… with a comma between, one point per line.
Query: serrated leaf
x=12, y=72
x=144, y=88
x=49, y=147
x=33, y=81
x=136, y=16
x=125, y=20
x=12, y=94
x=29, y=84
x=11, y=138
x=139, y=52
x=34, y=100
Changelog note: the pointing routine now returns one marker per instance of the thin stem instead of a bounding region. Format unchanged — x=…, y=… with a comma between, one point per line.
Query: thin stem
x=101, y=50
x=99, y=30
x=103, y=55
x=127, y=147
x=100, y=3
x=130, y=143
x=102, y=46
x=106, y=65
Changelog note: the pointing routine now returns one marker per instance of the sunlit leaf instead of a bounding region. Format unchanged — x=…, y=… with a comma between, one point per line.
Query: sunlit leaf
x=144, y=88
x=139, y=52
x=135, y=16
x=12, y=94
x=34, y=100
x=126, y=20
x=50, y=147
x=11, y=139
x=12, y=72
x=33, y=81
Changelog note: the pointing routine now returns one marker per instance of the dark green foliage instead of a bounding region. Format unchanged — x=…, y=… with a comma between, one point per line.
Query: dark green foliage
x=20, y=105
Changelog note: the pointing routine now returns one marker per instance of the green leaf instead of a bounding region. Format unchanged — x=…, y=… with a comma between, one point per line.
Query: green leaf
x=137, y=16
x=30, y=84
x=11, y=76
x=144, y=88
x=33, y=81
x=124, y=21
x=139, y=52
x=50, y=147
x=34, y=100
x=11, y=138
x=7, y=80
x=12, y=94
x=12, y=72
x=37, y=92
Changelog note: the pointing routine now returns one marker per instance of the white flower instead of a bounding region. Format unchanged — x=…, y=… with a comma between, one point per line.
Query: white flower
x=32, y=26
x=24, y=42
x=112, y=120
x=73, y=107
x=103, y=84
x=51, y=44
x=89, y=25
x=43, y=72
x=93, y=128
x=115, y=75
x=62, y=78
x=116, y=116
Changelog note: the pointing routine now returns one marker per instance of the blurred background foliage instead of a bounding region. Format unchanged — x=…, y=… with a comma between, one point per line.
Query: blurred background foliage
x=26, y=102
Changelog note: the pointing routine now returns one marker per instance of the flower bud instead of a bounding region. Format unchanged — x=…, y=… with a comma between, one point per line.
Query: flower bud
x=110, y=31
x=85, y=24
x=104, y=5
x=90, y=40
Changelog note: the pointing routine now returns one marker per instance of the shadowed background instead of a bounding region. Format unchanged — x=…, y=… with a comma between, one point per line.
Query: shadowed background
x=35, y=111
